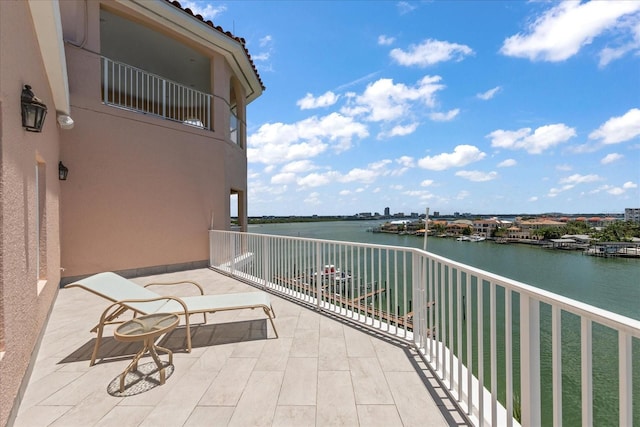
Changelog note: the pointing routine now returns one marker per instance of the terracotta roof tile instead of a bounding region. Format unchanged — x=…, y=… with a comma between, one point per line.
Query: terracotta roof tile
x=221, y=30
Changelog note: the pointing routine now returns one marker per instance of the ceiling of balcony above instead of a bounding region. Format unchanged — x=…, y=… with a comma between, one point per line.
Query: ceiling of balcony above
x=134, y=44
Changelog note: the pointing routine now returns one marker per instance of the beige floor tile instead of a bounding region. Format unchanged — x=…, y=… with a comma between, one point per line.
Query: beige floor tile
x=358, y=343
x=369, y=383
x=305, y=343
x=415, y=405
x=89, y=411
x=40, y=415
x=176, y=406
x=125, y=416
x=295, y=416
x=275, y=355
x=333, y=354
x=300, y=382
x=379, y=416
x=228, y=385
x=210, y=416
x=257, y=405
x=336, y=403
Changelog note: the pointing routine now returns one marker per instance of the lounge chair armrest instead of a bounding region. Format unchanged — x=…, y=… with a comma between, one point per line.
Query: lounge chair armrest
x=197, y=285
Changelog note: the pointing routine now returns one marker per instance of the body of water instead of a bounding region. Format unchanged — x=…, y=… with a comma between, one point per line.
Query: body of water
x=609, y=283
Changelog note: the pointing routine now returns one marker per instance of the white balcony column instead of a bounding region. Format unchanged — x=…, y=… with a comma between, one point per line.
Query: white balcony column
x=530, y=361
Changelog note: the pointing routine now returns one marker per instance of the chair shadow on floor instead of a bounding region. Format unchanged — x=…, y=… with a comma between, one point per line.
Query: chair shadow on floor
x=202, y=335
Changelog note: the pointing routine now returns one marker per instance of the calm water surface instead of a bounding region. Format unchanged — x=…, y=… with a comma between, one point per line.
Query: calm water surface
x=609, y=283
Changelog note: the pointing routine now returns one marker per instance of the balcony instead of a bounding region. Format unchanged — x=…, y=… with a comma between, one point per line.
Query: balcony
x=502, y=349
x=131, y=88
x=321, y=371
x=369, y=334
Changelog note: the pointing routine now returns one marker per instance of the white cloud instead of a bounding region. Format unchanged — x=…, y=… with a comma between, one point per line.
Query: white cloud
x=405, y=7
x=309, y=101
x=399, y=130
x=477, y=176
x=384, y=40
x=564, y=29
x=284, y=178
x=313, y=199
x=610, y=158
x=426, y=183
x=555, y=191
x=533, y=199
x=316, y=179
x=507, y=163
x=541, y=139
x=344, y=192
x=265, y=41
x=580, y=179
x=384, y=100
x=619, y=129
x=266, y=45
x=275, y=143
x=430, y=52
x=462, y=155
x=299, y=166
x=629, y=185
x=609, y=54
x=406, y=161
x=444, y=117
x=564, y=168
x=208, y=11
x=489, y=94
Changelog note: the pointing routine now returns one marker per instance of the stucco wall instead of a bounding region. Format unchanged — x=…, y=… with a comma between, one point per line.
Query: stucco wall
x=141, y=190
x=23, y=304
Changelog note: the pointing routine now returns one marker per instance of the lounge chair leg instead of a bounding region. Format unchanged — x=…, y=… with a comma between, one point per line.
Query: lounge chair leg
x=269, y=313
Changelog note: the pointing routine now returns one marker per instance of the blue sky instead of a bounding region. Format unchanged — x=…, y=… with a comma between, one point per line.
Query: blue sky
x=459, y=106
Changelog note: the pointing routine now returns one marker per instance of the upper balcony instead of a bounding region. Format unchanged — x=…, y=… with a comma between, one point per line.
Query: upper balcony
x=151, y=70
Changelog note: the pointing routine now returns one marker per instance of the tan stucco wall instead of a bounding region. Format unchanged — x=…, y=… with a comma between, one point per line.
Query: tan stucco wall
x=141, y=190
x=23, y=309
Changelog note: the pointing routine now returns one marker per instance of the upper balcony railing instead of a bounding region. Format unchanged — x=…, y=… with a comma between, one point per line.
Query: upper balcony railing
x=129, y=87
x=480, y=332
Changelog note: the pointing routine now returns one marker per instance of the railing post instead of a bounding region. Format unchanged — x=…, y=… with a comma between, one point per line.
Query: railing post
x=318, y=275
x=105, y=82
x=530, y=361
x=586, y=360
x=266, y=256
x=625, y=379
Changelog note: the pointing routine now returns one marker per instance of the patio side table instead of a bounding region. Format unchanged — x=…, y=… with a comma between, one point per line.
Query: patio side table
x=147, y=328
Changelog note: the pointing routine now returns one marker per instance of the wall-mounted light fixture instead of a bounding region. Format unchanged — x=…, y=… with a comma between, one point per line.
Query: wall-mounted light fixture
x=33, y=110
x=62, y=172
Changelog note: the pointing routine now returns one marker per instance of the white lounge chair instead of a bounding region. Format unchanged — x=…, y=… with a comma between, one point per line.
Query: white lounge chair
x=126, y=295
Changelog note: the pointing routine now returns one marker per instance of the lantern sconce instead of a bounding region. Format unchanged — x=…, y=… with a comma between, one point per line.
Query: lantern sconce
x=33, y=110
x=62, y=172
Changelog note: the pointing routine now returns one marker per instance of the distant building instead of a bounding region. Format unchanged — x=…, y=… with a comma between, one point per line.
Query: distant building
x=632, y=214
x=436, y=213
x=387, y=212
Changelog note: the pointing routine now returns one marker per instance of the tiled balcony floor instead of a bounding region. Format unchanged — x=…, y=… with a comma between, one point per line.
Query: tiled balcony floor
x=320, y=372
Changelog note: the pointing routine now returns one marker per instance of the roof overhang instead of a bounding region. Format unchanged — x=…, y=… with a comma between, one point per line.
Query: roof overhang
x=188, y=26
x=48, y=28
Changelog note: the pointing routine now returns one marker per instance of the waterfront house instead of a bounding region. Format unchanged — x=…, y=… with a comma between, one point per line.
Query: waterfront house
x=486, y=227
x=526, y=229
x=142, y=149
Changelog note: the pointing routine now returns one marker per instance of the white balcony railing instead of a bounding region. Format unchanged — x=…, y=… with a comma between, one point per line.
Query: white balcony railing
x=476, y=330
x=129, y=87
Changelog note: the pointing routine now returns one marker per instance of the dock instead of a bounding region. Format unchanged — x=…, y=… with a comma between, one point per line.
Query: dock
x=357, y=304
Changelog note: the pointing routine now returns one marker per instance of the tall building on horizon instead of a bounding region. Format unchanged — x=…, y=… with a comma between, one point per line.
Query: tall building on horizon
x=386, y=211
